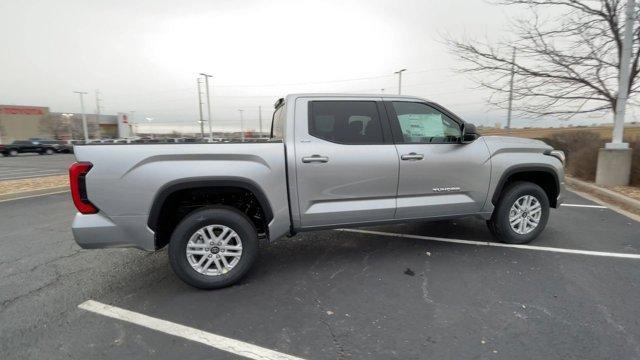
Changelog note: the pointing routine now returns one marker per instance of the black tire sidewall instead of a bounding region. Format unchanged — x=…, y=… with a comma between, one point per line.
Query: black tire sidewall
x=198, y=219
x=500, y=218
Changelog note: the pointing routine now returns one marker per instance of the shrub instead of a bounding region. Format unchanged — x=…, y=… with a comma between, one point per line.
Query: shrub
x=581, y=148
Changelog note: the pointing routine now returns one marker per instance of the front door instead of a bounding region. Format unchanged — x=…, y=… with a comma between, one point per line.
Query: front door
x=346, y=163
x=439, y=176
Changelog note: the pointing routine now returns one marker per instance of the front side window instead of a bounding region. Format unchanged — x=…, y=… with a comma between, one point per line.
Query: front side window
x=421, y=123
x=345, y=122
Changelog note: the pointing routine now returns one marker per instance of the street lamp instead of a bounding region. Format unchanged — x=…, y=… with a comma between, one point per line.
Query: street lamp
x=241, y=125
x=206, y=83
x=399, y=72
x=149, y=120
x=84, y=116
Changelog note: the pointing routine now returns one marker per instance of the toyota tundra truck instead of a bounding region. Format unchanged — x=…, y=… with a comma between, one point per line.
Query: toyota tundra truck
x=332, y=161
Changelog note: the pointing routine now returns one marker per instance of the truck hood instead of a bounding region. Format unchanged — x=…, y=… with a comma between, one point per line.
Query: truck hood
x=509, y=143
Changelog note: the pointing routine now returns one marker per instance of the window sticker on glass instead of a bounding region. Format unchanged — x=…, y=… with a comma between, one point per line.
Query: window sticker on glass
x=421, y=125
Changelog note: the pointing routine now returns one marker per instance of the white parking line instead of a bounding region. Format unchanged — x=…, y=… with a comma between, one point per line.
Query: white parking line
x=25, y=176
x=496, y=244
x=216, y=341
x=36, y=195
x=586, y=206
x=8, y=170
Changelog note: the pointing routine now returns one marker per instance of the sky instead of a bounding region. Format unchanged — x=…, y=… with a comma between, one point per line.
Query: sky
x=144, y=56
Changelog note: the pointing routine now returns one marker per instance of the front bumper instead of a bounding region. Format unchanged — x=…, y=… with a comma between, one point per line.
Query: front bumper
x=95, y=231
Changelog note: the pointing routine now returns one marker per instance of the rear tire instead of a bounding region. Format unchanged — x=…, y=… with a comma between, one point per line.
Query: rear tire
x=49, y=151
x=13, y=152
x=211, y=262
x=521, y=213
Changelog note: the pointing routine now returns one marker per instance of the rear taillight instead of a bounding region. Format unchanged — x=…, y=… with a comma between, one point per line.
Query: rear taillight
x=77, y=173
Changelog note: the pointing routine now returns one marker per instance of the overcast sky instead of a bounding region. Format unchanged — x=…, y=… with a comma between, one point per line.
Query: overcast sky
x=144, y=56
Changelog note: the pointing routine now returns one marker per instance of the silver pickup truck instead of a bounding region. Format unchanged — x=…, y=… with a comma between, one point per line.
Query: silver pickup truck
x=332, y=161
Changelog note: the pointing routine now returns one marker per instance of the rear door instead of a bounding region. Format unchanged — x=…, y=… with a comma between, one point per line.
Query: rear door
x=439, y=176
x=346, y=163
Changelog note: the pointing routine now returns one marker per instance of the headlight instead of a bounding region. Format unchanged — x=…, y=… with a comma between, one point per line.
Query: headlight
x=558, y=154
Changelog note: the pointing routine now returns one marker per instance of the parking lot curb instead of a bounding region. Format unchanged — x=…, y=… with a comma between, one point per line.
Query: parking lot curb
x=32, y=193
x=597, y=190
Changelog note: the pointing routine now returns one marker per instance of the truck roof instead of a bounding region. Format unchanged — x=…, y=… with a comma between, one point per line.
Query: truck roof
x=291, y=97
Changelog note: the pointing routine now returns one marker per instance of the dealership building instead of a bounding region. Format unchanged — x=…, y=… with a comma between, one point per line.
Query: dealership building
x=25, y=122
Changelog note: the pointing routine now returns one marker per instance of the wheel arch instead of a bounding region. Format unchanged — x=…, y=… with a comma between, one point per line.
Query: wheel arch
x=207, y=183
x=543, y=175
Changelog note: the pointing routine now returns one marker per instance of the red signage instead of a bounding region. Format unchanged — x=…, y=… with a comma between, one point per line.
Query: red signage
x=21, y=111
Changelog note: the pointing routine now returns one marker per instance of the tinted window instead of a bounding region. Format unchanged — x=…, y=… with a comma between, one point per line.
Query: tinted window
x=277, y=124
x=420, y=123
x=345, y=122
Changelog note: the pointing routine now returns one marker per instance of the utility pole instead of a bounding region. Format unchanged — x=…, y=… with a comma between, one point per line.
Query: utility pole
x=260, y=119
x=206, y=81
x=200, y=108
x=241, y=125
x=513, y=72
x=614, y=161
x=399, y=72
x=98, y=110
x=84, y=116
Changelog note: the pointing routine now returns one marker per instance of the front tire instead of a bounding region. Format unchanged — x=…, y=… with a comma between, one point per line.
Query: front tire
x=521, y=213
x=49, y=151
x=213, y=247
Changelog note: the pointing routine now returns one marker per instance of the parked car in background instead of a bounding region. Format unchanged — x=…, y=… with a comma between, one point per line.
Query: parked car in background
x=28, y=146
x=332, y=161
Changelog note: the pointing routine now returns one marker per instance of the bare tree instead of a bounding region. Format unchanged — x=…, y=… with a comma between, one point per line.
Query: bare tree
x=565, y=65
x=58, y=127
x=53, y=126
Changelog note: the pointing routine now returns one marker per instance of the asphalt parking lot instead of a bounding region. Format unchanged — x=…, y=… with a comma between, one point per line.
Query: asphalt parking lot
x=26, y=166
x=423, y=290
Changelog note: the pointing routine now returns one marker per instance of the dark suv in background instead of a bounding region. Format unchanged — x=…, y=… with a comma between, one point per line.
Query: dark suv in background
x=42, y=147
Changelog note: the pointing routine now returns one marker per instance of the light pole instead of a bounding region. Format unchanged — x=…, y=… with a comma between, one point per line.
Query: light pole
x=241, y=124
x=98, y=111
x=206, y=82
x=614, y=161
x=260, y=119
x=133, y=123
x=201, y=122
x=68, y=116
x=85, y=130
x=149, y=120
x=399, y=72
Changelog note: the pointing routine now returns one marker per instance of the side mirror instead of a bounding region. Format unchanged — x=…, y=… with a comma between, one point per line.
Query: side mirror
x=469, y=133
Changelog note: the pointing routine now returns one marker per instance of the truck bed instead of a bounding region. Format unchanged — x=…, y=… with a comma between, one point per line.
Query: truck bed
x=126, y=178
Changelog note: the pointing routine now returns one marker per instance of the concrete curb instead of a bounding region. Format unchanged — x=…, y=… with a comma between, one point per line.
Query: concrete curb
x=625, y=200
x=32, y=193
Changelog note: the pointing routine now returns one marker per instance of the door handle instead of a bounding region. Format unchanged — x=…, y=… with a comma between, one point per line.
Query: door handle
x=412, y=156
x=315, y=158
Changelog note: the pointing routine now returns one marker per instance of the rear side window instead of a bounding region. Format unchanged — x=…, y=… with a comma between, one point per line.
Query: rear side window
x=345, y=122
x=277, y=125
